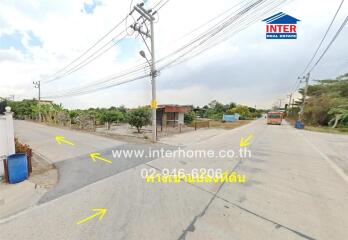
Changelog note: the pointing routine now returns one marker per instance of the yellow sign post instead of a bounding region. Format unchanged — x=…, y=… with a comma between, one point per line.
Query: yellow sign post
x=153, y=104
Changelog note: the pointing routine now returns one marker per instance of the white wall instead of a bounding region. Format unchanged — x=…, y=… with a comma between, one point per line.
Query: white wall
x=181, y=118
x=7, y=146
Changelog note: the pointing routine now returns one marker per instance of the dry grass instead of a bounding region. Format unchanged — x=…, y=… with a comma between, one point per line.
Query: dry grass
x=228, y=125
x=327, y=129
x=323, y=129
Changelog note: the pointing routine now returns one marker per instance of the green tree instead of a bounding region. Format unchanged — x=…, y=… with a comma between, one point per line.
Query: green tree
x=189, y=117
x=243, y=111
x=111, y=116
x=73, y=115
x=139, y=117
x=340, y=114
x=325, y=100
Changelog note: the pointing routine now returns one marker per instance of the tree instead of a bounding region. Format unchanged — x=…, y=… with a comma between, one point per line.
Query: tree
x=3, y=105
x=73, y=115
x=23, y=109
x=111, y=116
x=139, y=117
x=340, y=115
x=189, y=117
x=243, y=111
x=325, y=100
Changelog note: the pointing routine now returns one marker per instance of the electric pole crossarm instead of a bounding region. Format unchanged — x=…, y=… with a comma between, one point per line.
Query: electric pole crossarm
x=144, y=13
x=138, y=29
x=38, y=86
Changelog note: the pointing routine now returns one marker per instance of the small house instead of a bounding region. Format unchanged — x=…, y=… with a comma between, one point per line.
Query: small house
x=171, y=115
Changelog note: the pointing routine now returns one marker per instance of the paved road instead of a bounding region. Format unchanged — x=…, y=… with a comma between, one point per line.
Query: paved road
x=296, y=188
x=76, y=168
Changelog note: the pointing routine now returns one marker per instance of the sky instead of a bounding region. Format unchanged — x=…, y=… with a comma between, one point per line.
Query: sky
x=40, y=37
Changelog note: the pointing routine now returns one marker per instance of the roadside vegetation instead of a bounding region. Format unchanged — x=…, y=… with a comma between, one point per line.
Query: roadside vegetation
x=89, y=119
x=215, y=111
x=326, y=105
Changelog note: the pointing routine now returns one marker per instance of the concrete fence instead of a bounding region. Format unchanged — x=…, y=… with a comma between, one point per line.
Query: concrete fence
x=7, y=144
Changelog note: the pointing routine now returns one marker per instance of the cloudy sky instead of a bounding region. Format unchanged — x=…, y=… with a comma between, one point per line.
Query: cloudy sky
x=40, y=37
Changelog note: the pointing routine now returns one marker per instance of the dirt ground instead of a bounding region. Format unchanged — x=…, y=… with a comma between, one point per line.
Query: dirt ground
x=228, y=125
x=44, y=174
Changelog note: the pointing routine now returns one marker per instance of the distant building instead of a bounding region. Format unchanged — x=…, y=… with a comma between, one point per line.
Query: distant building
x=171, y=115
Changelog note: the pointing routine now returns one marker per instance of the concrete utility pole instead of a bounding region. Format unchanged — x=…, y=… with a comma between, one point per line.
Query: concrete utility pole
x=146, y=14
x=38, y=86
x=304, y=96
x=280, y=103
x=290, y=97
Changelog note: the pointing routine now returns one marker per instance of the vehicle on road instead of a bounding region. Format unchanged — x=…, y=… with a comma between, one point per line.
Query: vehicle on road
x=274, y=118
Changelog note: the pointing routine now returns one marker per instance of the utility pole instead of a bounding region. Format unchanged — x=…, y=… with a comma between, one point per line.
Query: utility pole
x=290, y=97
x=280, y=103
x=304, y=96
x=38, y=86
x=148, y=15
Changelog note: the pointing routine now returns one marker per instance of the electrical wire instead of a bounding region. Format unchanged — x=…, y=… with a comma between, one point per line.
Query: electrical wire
x=325, y=51
x=160, y=7
x=92, y=57
x=204, y=34
x=85, y=52
x=298, y=81
x=322, y=40
x=209, y=42
x=331, y=42
x=201, y=40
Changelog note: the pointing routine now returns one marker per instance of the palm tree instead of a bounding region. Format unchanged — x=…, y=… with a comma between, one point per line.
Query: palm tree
x=340, y=115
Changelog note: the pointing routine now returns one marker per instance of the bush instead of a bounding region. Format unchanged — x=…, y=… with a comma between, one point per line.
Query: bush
x=189, y=117
x=111, y=116
x=243, y=111
x=139, y=117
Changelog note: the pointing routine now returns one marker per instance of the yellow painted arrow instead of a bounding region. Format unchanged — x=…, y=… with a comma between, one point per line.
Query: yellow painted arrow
x=96, y=156
x=61, y=139
x=99, y=212
x=244, y=142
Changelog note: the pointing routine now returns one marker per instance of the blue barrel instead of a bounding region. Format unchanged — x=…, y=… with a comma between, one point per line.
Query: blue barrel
x=299, y=125
x=17, y=165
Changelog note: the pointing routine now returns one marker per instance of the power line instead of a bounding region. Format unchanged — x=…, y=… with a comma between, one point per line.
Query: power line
x=237, y=20
x=65, y=71
x=86, y=51
x=97, y=84
x=212, y=20
x=322, y=40
x=211, y=31
x=128, y=73
x=92, y=57
x=331, y=42
x=159, y=8
x=325, y=51
x=109, y=82
x=298, y=81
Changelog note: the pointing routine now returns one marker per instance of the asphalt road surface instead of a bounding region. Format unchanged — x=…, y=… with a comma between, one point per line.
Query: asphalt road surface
x=296, y=188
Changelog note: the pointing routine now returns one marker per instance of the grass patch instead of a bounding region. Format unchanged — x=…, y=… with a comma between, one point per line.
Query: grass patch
x=324, y=129
x=327, y=129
